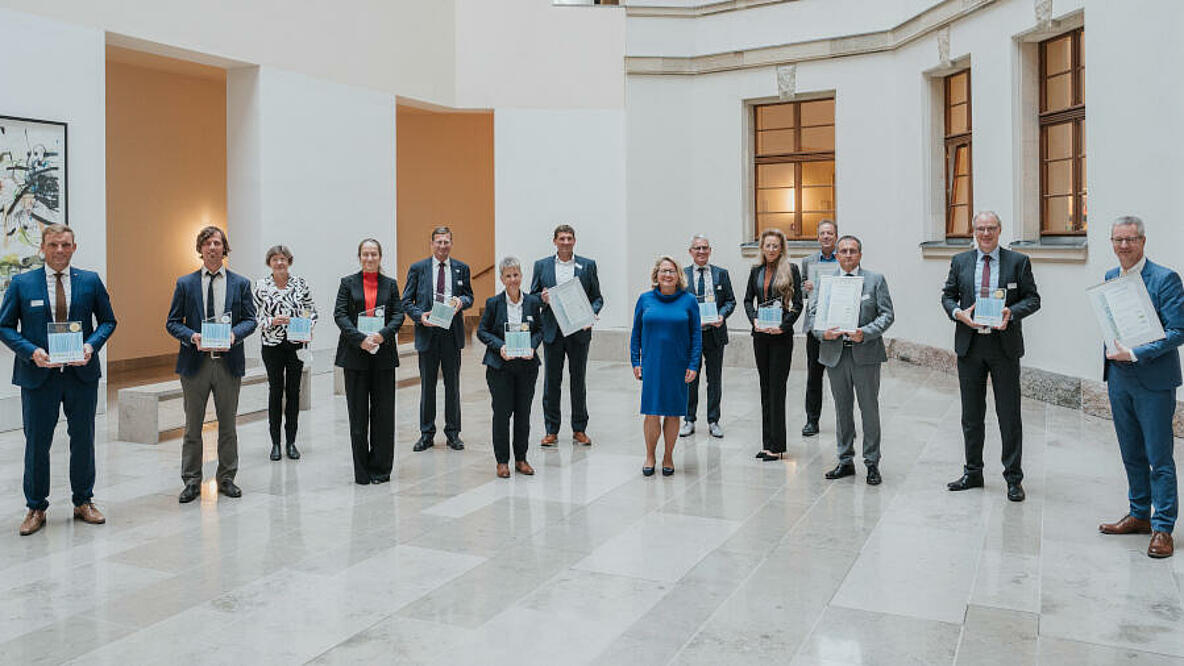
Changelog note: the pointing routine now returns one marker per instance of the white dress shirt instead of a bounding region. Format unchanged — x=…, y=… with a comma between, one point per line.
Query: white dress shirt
x=565, y=270
x=1137, y=269
x=447, y=276
x=514, y=310
x=708, y=286
x=51, y=282
x=219, y=291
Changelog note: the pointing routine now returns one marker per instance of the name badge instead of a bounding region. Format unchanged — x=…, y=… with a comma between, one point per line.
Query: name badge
x=1011, y=285
x=865, y=297
x=37, y=303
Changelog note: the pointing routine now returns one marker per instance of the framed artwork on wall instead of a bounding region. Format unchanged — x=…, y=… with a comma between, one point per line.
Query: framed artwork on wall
x=32, y=190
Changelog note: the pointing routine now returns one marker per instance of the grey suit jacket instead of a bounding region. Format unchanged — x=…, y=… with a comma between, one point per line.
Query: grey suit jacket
x=808, y=261
x=875, y=316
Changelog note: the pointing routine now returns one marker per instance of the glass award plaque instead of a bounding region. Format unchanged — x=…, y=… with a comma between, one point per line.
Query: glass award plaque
x=768, y=315
x=442, y=312
x=988, y=309
x=372, y=321
x=65, y=342
x=708, y=312
x=215, y=332
x=300, y=328
x=517, y=337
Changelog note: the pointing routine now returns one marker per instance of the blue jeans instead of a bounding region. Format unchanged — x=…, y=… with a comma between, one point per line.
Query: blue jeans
x=1143, y=422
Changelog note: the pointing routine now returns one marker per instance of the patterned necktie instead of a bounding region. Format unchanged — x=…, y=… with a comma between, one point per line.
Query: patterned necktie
x=210, y=296
x=701, y=286
x=60, y=307
x=984, y=287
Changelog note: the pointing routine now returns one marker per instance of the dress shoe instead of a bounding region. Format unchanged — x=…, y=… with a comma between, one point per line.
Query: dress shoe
x=503, y=471
x=293, y=452
x=275, y=451
x=524, y=467
x=35, y=520
x=667, y=471
x=549, y=440
x=810, y=429
x=1128, y=525
x=455, y=444
x=189, y=493
x=841, y=470
x=770, y=457
x=423, y=444
x=1015, y=491
x=581, y=437
x=89, y=513
x=227, y=488
x=967, y=482
x=873, y=475
x=687, y=429
x=377, y=479
x=1161, y=545
x=715, y=430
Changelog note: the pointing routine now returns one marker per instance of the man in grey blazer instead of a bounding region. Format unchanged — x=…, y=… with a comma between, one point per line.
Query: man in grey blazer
x=822, y=262
x=853, y=359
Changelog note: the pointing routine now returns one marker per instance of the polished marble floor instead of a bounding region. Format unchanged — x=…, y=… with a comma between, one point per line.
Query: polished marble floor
x=730, y=561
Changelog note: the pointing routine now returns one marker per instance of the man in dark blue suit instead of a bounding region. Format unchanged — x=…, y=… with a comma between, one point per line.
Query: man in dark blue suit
x=439, y=277
x=1142, y=386
x=565, y=265
x=210, y=293
x=709, y=283
x=57, y=292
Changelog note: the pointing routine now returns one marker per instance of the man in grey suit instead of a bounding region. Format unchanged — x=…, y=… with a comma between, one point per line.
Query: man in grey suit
x=822, y=262
x=853, y=359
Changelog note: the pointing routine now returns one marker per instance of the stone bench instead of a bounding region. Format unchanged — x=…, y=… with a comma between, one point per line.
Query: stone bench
x=146, y=411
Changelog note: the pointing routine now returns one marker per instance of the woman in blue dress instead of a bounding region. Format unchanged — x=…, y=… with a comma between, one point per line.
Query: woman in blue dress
x=664, y=349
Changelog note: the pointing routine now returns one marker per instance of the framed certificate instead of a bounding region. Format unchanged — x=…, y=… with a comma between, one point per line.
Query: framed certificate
x=838, y=302
x=372, y=321
x=571, y=308
x=300, y=328
x=517, y=337
x=768, y=315
x=1125, y=313
x=819, y=271
x=65, y=342
x=708, y=312
x=215, y=332
x=442, y=312
x=988, y=310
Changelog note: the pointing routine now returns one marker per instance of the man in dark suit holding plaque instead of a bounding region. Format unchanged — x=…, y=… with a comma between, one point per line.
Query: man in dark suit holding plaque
x=60, y=293
x=990, y=272
x=709, y=284
x=563, y=266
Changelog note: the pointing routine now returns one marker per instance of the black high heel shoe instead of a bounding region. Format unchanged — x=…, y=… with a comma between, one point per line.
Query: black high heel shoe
x=275, y=451
x=667, y=471
x=647, y=471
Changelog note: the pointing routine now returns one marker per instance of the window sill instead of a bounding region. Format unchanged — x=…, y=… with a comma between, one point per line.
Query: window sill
x=943, y=249
x=1062, y=251
x=797, y=248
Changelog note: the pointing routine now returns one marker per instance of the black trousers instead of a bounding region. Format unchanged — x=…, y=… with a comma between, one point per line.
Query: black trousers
x=814, y=372
x=773, y=355
x=512, y=389
x=370, y=398
x=986, y=358
x=713, y=357
x=576, y=353
x=441, y=354
x=283, y=382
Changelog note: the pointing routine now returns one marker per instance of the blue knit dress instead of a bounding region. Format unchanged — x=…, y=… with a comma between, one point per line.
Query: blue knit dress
x=666, y=342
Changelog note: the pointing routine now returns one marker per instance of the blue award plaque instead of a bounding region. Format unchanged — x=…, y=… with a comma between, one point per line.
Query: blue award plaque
x=65, y=342
x=215, y=332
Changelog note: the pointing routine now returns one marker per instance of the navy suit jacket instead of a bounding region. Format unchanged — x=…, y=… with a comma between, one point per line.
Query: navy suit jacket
x=1015, y=278
x=351, y=302
x=26, y=303
x=543, y=277
x=493, y=327
x=1157, y=367
x=419, y=294
x=725, y=302
x=187, y=312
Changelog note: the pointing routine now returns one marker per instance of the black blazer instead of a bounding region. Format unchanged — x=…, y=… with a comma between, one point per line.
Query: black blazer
x=186, y=315
x=725, y=302
x=755, y=294
x=351, y=302
x=419, y=294
x=493, y=325
x=543, y=277
x=1015, y=277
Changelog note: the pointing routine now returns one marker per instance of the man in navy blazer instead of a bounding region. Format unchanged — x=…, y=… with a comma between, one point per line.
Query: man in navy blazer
x=447, y=279
x=708, y=282
x=1142, y=386
x=209, y=293
x=565, y=265
x=29, y=305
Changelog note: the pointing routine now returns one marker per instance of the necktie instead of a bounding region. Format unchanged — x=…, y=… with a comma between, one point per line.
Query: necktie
x=440, y=279
x=699, y=288
x=210, y=296
x=60, y=306
x=985, y=286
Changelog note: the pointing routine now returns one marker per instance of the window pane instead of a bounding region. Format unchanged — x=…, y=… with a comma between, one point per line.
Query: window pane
x=782, y=221
x=1058, y=214
x=810, y=223
x=775, y=142
x=818, y=173
x=1057, y=54
x=775, y=200
x=817, y=198
x=821, y=112
x=958, y=88
x=818, y=139
x=959, y=122
x=1058, y=177
x=1058, y=92
x=774, y=116
x=961, y=192
x=1081, y=138
x=1058, y=141
x=774, y=175
x=959, y=221
x=962, y=161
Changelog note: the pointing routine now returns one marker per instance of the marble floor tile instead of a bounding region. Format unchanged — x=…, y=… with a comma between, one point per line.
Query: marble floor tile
x=659, y=547
x=998, y=637
x=849, y=636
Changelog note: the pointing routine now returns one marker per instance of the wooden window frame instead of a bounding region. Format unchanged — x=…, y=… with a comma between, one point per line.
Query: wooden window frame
x=1075, y=115
x=797, y=158
x=952, y=143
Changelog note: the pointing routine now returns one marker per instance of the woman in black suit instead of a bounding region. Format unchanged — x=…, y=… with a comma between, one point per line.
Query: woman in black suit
x=773, y=278
x=369, y=362
x=511, y=379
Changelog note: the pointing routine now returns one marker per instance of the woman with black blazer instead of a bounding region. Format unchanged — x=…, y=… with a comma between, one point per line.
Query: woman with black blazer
x=773, y=278
x=511, y=379
x=369, y=362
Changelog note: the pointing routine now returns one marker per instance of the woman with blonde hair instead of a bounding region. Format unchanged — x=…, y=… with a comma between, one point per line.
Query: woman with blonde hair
x=774, y=283
x=664, y=349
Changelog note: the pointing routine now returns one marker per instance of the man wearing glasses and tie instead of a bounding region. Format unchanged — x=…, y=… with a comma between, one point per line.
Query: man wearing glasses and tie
x=711, y=285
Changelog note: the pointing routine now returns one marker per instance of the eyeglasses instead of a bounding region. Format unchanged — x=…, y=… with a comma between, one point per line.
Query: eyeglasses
x=986, y=230
x=1126, y=240
x=847, y=250
x=667, y=271
x=701, y=248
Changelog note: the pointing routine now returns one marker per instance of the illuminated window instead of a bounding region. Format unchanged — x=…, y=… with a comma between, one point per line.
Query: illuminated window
x=959, y=184
x=1062, y=135
x=795, y=166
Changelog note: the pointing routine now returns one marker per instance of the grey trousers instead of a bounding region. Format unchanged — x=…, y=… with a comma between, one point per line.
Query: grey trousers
x=215, y=376
x=849, y=382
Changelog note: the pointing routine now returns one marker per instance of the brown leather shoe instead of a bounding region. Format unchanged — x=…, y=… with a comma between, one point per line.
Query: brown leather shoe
x=1128, y=525
x=33, y=521
x=503, y=471
x=581, y=438
x=1161, y=545
x=89, y=513
x=549, y=440
x=524, y=467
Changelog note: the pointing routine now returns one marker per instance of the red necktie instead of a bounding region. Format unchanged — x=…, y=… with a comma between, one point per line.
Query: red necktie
x=985, y=287
x=440, y=279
